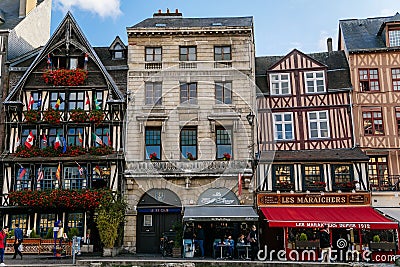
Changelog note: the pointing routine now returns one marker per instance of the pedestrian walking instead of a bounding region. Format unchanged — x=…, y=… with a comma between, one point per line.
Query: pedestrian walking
x=3, y=240
x=18, y=238
x=253, y=239
x=325, y=244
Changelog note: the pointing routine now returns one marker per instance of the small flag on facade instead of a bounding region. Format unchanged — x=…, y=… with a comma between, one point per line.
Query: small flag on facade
x=97, y=170
x=44, y=140
x=87, y=99
x=30, y=102
x=58, y=172
x=40, y=175
x=80, y=169
x=21, y=172
x=97, y=139
x=49, y=60
x=64, y=143
x=108, y=139
x=29, y=140
x=80, y=137
x=96, y=103
x=58, y=102
x=57, y=142
x=39, y=102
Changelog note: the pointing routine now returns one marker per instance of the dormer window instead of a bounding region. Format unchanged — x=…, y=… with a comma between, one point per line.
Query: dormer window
x=315, y=82
x=394, y=37
x=118, y=53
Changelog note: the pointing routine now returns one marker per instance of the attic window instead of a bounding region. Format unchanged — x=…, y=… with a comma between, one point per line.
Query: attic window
x=161, y=25
x=394, y=38
x=217, y=24
x=118, y=52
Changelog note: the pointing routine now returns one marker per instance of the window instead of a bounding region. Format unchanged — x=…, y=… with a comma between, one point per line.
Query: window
x=153, y=93
x=280, y=84
x=21, y=219
x=52, y=136
x=394, y=38
x=369, y=80
x=342, y=176
x=75, y=220
x=22, y=177
x=37, y=100
x=315, y=81
x=222, y=53
x=372, y=122
x=224, y=142
x=100, y=176
x=283, y=126
x=282, y=177
x=46, y=223
x=223, y=92
x=73, y=179
x=75, y=136
x=76, y=100
x=312, y=177
x=25, y=133
x=318, y=124
x=396, y=79
x=153, y=54
x=98, y=99
x=188, y=93
x=187, y=53
x=153, y=142
x=57, y=98
x=73, y=63
x=102, y=133
x=49, y=178
x=118, y=52
x=378, y=170
x=397, y=111
x=188, y=143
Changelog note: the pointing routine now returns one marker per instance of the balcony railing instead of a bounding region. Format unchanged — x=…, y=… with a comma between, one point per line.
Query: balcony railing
x=385, y=183
x=192, y=167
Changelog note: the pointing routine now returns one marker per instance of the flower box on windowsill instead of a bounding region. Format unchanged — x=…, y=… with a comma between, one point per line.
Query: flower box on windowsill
x=284, y=186
x=52, y=116
x=78, y=115
x=63, y=77
x=32, y=116
x=96, y=116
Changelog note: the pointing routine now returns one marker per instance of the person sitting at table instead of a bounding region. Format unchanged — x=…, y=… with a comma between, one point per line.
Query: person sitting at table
x=241, y=250
x=230, y=245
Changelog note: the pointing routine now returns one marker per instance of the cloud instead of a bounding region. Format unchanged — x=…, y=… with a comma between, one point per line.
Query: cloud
x=102, y=8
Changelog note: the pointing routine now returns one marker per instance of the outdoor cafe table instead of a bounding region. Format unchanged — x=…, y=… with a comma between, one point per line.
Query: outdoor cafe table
x=222, y=246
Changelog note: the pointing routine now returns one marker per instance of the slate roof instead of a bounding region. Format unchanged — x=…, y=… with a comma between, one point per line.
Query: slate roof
x=324, y=155
x=338, y=70
x=180, y=22
x=9, y=14
x=105, y=57
x=364, y=34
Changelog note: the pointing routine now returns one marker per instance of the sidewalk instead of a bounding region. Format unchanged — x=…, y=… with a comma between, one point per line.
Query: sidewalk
x=157, y=261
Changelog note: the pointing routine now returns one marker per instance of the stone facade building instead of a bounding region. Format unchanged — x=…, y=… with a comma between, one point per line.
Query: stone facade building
x=190, y=119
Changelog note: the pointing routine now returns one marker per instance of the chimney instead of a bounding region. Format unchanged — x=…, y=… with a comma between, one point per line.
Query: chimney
x=25, y=6
x=329, y=44
x=168, y=13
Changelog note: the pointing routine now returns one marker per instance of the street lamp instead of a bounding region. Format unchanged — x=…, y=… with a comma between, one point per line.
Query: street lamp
x=250, y=118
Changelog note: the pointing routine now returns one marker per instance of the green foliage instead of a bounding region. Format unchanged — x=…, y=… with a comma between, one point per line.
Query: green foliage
x=49, y=234
x=178, y=228
x=10, y=234
x=73, y=232
x=110, y=216
x=376, y=238
x=303, y=237
x=33, y=234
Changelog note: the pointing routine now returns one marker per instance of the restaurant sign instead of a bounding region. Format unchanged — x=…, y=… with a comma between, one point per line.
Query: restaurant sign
x=268, y=199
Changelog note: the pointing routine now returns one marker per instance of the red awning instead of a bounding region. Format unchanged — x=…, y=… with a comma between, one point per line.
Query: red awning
x=363, y=217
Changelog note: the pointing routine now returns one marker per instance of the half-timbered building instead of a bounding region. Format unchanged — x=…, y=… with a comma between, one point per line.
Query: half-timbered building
x=372, y=47
x=64, y=131
x=310, y=171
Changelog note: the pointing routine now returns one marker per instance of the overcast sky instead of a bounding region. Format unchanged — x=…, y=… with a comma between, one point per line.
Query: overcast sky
x=280, y=25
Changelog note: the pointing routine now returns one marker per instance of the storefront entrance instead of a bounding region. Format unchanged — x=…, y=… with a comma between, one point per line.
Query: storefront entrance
x=158, y=211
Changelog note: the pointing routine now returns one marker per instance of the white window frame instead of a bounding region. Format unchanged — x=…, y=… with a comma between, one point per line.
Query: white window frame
x=279, y=82
x=283, y=123
x=314, y=89
x=316, y=124
x=394, y=38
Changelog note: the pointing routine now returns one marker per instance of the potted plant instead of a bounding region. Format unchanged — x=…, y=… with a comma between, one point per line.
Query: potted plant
x=189, y=156
x=178, y=241
x=77, y=115
x=109, y=219
x=227, y=156
x=303, y=242
x=153, y=156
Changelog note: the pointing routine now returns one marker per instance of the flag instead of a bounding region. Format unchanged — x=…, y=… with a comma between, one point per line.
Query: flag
x=80, y=137
x=87, y=99
x=96, y=103
x=58, y=172
x=58, y=102
x=48, y=59
x=97, y=170
x=64, y=143
x=31, y=102
x=21, y=172
x=108, y=139
x=86, y=57
x=80, y=169
x=239, y=184
x=39, y=102
x=97, y=139
x=57, y=142
x=44, y=140
x=40, y=173
x=29, y=140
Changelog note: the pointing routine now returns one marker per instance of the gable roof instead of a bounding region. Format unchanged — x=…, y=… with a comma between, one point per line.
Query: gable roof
x=52, y=44
x=364, y=34
x=180, y=22
x=338, y=72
